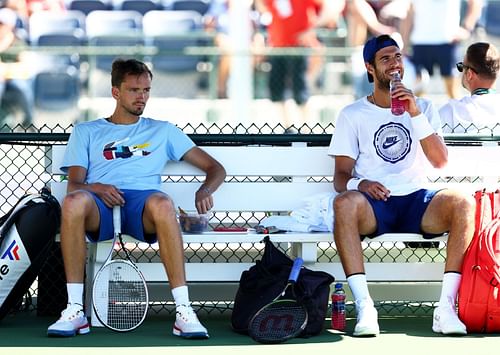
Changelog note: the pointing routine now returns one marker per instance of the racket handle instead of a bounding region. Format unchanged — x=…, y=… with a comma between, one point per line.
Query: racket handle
x=117, y=220
x=294, y=273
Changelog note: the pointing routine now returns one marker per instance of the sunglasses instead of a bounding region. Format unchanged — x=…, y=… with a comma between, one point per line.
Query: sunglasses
x=461, y=66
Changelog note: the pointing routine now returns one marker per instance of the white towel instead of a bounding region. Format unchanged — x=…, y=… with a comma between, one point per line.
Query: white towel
x=316, y=215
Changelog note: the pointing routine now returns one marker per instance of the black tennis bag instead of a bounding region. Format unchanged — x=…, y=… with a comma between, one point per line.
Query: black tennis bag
x=27, y=233
x=260, y=284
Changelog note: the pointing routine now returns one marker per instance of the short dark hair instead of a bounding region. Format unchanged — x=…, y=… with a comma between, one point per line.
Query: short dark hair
x=123, y=67
x=483, y=58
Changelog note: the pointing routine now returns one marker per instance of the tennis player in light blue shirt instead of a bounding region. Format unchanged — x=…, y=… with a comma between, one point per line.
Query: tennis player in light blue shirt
x=118, y=160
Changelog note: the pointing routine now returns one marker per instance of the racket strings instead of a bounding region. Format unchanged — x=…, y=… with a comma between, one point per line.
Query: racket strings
x=279, y=321
x=121, y=298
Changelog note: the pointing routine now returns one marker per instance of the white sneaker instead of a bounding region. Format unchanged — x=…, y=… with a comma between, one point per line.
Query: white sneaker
x=187, y=324
x=367, y=322
x=446, y=321
x=71, y=323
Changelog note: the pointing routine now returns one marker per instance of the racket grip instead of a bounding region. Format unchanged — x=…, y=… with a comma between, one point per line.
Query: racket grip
x=117, y=220
x=294, y=273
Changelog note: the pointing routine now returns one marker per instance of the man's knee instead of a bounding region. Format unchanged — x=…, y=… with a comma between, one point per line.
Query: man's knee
x=347, y=201
x=76, y=202
x=161, y=205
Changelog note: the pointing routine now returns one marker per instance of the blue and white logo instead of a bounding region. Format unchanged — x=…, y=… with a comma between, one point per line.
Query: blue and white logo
x=392, y=142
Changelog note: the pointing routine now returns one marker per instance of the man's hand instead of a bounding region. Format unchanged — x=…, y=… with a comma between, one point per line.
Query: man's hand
x=109, y=194
x=403, y=93
x=375, y=189
x=203, y=200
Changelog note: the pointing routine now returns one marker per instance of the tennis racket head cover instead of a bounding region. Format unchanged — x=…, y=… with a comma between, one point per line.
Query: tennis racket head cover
x=282, y=319
x=119, y=294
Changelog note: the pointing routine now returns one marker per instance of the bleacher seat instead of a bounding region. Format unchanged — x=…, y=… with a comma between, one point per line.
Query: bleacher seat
x=141, y=6
x=88, y=6
x=48, y=22
x=200, y=6
x=56, y=29
x=57, y=89
x=74, y=39
x=116, y=28
x=171, y=32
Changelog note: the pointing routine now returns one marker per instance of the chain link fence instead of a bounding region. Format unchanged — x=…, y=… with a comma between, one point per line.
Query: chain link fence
x=25, y=156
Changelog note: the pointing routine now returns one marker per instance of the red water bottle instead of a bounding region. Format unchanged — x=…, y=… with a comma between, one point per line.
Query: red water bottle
x=338, y=307
x=398, y=107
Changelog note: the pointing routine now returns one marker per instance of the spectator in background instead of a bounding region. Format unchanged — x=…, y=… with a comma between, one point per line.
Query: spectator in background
x=15, y=79
x=365, y=18
x=291, y=24
x=18, y=6
x=217, y=21
x=45, y=5
x=434, y=32
x=479, y=112
x=330, y=18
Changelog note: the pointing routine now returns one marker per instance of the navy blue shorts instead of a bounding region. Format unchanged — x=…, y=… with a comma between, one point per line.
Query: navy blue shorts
x=131, y=213
x=288, y=70
x=443, y=55
x=401, y=214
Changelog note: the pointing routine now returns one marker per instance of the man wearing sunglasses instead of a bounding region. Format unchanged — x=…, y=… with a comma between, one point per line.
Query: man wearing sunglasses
x=478, y=113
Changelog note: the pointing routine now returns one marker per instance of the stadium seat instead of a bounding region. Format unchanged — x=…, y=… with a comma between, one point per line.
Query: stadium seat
x=171, y=32
x=74, y=39
x=48, y=22
x=200, y=6
x=55, y=29
x=141, y=6
x=87, y=6
x=57, y=89
x=120, y=29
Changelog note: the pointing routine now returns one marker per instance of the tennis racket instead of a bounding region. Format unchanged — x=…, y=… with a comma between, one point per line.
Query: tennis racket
x=119, y=293
x=282, y=319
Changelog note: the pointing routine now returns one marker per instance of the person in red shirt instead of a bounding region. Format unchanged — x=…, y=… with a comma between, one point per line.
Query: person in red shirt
x=291, y=24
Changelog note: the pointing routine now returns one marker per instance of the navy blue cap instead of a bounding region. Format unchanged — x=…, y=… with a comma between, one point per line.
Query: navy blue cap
x=373, y=45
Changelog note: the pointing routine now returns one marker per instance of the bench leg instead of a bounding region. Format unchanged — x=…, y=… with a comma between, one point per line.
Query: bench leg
x=307, y=251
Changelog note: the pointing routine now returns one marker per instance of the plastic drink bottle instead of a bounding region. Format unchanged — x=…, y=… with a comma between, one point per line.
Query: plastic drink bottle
x=338, y=307
x=398, y=107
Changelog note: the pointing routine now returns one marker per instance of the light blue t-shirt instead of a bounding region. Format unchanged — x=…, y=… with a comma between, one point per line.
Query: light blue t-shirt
x=127, y=156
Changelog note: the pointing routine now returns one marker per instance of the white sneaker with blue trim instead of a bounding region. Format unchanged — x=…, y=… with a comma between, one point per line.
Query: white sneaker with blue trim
x=187, y=324
x=71, y=323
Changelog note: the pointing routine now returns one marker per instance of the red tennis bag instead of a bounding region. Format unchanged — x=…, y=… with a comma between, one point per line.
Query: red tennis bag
x=479, y=292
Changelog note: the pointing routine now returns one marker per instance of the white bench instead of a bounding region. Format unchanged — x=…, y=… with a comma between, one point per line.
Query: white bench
x=255, y=183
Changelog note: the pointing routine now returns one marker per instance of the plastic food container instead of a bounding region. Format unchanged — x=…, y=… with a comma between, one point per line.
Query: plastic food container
x=192, y=222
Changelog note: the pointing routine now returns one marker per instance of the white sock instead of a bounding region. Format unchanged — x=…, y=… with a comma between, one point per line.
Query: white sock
x=449, y=290
x=181, y=295
x=359, y=287
x=75, y=293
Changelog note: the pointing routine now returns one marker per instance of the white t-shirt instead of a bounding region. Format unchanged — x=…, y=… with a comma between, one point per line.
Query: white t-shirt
x=472, y=114
x=127, y=156
x=435, y=21
x=383, y=145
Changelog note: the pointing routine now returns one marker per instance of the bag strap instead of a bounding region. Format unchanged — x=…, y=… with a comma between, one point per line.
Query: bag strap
x=7, y=220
